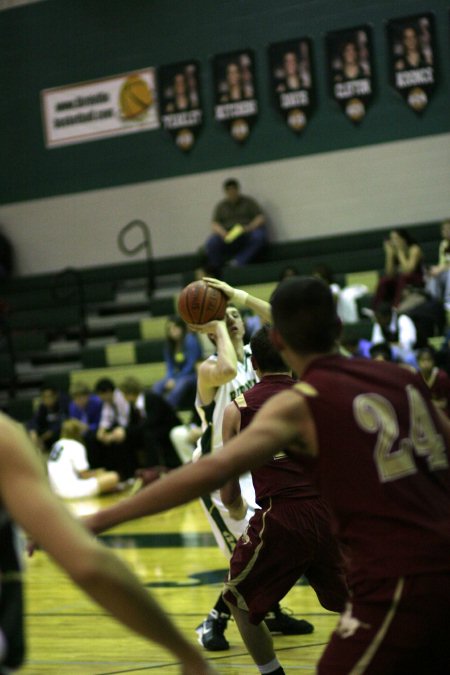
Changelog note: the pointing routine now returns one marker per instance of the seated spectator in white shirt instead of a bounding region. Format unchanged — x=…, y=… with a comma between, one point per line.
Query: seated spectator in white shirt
x=68, y=468
x=396, y=329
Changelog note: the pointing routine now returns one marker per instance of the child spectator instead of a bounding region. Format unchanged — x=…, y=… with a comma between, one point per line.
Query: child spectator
x=68, y=468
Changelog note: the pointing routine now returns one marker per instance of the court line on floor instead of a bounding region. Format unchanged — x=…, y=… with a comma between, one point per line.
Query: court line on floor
x=214, y=659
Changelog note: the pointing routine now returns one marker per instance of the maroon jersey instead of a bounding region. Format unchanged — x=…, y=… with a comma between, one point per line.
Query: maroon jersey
x=383, y=465
x=282, y=475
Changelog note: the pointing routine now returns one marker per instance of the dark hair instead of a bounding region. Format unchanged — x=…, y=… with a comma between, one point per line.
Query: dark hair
x=381, y=349
x=405, y=235
x=49, y=387
x=288, y=271
x=384, y=310
x=323, y=272
x=267, y=358
x=231, y=183
x=304, y=313
x=104, y=384
x=427, y=350
x=345, y=44
x=178, y=321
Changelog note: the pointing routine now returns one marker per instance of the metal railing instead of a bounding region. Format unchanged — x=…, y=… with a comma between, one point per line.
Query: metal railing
x=144, y=243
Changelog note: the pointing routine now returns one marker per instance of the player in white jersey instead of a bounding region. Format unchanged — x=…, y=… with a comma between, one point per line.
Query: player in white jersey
x=226, y=529
x=221, y=378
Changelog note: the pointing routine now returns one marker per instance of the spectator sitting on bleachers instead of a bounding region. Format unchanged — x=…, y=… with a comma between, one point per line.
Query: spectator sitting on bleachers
x=184, y=437
x=115, y=411
x=238, y=230
x=111, y=449
x=68, y=468
x=45, y=425
x=398, y=330
x=148, y=431
x=437, y=380
x=438, y=276
x=182, y=351
x=403, y=267
x=86, y=407
x=345, y=298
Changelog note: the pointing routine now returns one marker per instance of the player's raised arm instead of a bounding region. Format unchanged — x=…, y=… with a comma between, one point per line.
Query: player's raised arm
x=214, y=373
x=243, y=299
x=230, y=492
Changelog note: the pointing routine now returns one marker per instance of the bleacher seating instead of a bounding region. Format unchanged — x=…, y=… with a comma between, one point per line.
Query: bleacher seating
x=45, y=305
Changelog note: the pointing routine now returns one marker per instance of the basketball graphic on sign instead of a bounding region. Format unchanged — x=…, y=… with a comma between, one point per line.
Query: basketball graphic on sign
x=135, y=97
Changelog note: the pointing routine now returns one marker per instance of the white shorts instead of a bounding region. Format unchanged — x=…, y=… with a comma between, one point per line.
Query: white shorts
x=225, y=529
x=78, y=489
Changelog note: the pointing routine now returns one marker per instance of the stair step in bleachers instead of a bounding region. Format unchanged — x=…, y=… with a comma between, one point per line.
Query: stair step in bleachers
x=45, y=312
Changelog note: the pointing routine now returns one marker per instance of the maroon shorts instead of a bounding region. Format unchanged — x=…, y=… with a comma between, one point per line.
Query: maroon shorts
x=393, y=627
x=284, y=540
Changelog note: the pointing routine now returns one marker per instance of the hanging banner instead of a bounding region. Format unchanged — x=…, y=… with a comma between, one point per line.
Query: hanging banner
x=291, y=79
x=236, y=104
x=180, y=104
x=87, y=111
x=412, y=58
x=350, y=68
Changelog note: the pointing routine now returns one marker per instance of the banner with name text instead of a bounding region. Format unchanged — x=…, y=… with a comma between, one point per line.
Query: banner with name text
x=291, y=81
x=236, y=104
x=350, y=70
x=88, y=111
x=180, y=101
x=412, y=58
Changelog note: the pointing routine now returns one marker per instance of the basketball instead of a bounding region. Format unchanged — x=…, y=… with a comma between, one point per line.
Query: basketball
x=135, y=97
x=199, y=303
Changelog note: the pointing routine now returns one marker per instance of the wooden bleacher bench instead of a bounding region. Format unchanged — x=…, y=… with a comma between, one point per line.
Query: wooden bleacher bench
x=147, y=373
x=123, y=353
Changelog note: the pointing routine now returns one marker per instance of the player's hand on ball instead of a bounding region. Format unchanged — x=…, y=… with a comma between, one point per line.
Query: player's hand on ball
x=221, y=286
x=210, y=327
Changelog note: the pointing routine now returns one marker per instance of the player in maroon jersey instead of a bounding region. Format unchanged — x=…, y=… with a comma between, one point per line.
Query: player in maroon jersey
x=289, y=536
x=381, y=450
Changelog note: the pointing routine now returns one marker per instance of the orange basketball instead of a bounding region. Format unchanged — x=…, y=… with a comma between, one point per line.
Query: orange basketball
x=199, y=303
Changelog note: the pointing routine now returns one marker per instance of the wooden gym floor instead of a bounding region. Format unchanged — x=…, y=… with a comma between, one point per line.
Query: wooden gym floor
x=175, y=556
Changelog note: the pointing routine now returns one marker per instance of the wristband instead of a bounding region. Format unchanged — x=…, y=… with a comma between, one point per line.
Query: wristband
x=240, y=297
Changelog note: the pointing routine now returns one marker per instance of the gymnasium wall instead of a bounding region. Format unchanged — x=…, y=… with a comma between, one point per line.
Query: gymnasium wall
x=65, y=206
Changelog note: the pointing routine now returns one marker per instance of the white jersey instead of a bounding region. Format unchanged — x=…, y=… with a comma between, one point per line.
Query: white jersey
x=66, y=461
x=213, y=413
x=225, y=529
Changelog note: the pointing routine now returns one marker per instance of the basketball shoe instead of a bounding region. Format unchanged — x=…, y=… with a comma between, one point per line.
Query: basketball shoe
x=280, y=621
x=211, y=632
